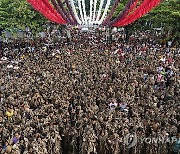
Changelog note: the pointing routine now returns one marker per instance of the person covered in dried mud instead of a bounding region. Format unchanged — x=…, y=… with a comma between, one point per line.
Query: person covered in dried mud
x=86, y=95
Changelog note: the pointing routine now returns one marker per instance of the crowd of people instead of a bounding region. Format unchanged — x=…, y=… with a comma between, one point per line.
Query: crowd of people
x=85, y=95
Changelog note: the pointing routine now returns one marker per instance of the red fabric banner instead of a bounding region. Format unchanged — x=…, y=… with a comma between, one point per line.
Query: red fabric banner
x=45, y=8
x=130, y=11
x=127, y=17
x=143, y=12
x=145, y=7
x=60, y=19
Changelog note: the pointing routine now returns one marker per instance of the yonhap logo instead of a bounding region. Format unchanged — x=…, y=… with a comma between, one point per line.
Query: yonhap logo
x=130, y=140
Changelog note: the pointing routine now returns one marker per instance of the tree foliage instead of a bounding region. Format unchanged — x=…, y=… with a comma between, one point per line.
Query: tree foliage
x=166, y=14
x=17, y=14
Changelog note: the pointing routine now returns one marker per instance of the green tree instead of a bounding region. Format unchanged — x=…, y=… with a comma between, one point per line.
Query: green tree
x=167, y=16
x=18, y=14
